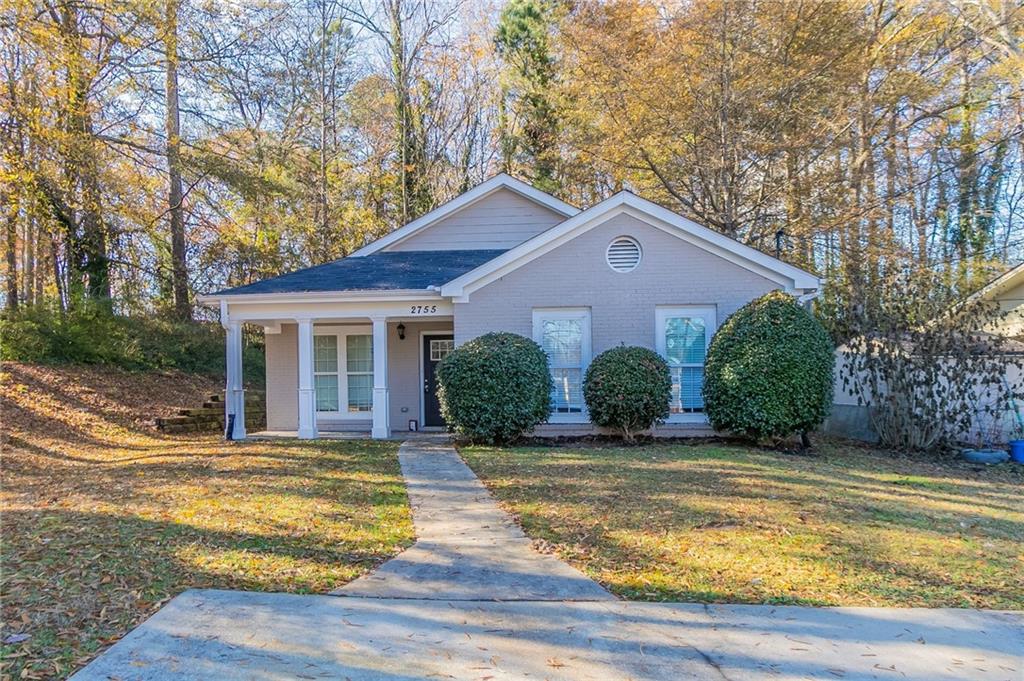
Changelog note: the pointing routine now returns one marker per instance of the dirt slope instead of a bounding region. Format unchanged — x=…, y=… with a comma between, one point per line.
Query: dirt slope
x=54, y=407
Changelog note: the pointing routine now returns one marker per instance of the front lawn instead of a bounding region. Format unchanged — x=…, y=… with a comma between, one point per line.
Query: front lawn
x=726, y=523
x=104, y=520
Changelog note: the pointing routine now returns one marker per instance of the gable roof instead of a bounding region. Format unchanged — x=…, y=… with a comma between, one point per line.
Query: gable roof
x=398, y=271
x=1007, y=280
x=791, y=277
x=498, y=182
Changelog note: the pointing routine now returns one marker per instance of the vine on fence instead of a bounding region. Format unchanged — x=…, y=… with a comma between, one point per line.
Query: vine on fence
x=933, y=373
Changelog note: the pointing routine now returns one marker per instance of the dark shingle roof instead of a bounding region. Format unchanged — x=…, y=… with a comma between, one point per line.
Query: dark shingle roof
x=376, y=272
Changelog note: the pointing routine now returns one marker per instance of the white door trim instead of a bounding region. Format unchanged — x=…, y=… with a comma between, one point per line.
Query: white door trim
x=423, y=375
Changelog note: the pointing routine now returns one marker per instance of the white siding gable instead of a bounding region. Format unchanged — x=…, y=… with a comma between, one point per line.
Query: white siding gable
x=501, y=220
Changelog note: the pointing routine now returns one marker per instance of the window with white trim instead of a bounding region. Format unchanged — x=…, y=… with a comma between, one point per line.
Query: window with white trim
x=359, y=372
x=343, y=373
x=683, y=335
x=439, y=349
x=325, y=372
x=564, y=334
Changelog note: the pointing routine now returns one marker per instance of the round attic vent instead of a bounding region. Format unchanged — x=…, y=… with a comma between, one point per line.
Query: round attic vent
x=623, y=254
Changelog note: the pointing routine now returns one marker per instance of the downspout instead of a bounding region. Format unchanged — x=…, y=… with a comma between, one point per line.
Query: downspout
x=805, y=299
x=229, y=410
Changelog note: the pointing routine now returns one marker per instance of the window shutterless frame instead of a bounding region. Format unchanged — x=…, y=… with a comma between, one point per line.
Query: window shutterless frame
x=343, y=371
x=576, y=412
x=689, y=363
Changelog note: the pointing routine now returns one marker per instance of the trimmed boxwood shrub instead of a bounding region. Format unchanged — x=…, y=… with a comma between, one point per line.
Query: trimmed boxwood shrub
x=769, y=371
x=494, y=388
x=628, y=389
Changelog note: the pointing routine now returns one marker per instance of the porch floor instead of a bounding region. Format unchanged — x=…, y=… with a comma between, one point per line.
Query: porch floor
x=400, y=435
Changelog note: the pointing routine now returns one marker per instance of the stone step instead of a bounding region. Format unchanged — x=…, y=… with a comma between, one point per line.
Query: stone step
x=249, y=394
x=173, y=421
x=205, y=411
x=202, y=427
x=210, y=416
x=249, y=404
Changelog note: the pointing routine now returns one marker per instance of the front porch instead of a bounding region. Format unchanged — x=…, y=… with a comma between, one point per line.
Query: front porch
x=343, y=371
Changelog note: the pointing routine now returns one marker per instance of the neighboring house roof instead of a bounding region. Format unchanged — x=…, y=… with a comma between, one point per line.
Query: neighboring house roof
x=1005, y=281
x=793, y=278
x=404, y=270
x=498, y=182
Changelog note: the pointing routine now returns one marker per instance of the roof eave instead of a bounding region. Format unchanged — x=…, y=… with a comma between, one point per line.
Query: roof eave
x=355, y=295
x=1006, y=280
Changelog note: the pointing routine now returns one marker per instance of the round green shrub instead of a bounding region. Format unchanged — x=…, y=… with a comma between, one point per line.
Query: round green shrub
x=494, y=388
x=769, y=370
x=628, y=389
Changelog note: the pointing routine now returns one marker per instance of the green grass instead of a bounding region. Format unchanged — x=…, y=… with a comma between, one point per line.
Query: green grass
x=724, y=523
x=96, y=539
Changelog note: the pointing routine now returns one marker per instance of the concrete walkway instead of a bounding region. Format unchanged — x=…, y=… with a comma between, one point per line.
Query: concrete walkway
x=237, y=635
x=472, y=600
x=467, y=548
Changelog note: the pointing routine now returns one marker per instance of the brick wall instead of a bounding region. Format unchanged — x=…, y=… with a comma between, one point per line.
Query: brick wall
x=671, y=272
x=283, y=378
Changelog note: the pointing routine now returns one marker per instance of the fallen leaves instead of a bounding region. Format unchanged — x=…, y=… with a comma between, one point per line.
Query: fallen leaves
x=105, y=519
x=714, y=522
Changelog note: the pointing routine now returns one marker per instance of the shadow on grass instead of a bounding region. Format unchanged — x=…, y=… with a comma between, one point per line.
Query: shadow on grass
x=613, y=512
x=89, y=550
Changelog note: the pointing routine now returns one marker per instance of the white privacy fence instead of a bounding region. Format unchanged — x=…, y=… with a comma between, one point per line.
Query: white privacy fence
x=990, y=422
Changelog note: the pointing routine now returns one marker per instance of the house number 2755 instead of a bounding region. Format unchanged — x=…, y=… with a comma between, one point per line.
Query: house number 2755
x=423, y=309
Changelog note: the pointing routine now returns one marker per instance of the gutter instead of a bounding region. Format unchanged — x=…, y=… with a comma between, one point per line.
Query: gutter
x=806, y=298
x=371, y=295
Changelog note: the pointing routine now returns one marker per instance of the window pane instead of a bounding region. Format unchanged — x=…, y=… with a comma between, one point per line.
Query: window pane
x=686, y=390
x=562, y=339
x=360, y=392
x=325, y=353
x=359, y=353
x=685, y=340
x=439, y=349
x=567, y=394
x=326, y=388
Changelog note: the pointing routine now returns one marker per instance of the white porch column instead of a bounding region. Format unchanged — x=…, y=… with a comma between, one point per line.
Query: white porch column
x=307, y=395
x=381, y=414
x=234, y=394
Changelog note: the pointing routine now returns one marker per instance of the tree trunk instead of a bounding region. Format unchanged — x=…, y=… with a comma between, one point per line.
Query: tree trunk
x=89, y=248
x=175, y=196
x=401, y=78
x=58, y=277
x=11, y=249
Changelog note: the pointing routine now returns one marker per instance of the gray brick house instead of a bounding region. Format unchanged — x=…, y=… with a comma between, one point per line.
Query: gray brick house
x=352, y=345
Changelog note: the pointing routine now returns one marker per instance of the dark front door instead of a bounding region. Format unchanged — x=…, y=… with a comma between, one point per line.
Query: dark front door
x=435, y=348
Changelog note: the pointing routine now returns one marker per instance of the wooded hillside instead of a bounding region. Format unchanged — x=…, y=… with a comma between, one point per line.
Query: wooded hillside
x=156, y=149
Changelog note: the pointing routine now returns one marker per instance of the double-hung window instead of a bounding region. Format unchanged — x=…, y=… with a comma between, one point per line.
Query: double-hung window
x=359, y=372
x=564, y=334
x=326, y=380
x=343, y=373
x=683, y=335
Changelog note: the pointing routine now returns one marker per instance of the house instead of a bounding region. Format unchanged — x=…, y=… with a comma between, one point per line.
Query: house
x=997, y=333
x=352, y=345
x=1006, y=291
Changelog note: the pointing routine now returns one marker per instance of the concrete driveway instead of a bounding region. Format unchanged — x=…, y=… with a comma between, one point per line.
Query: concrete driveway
x=472, y=600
